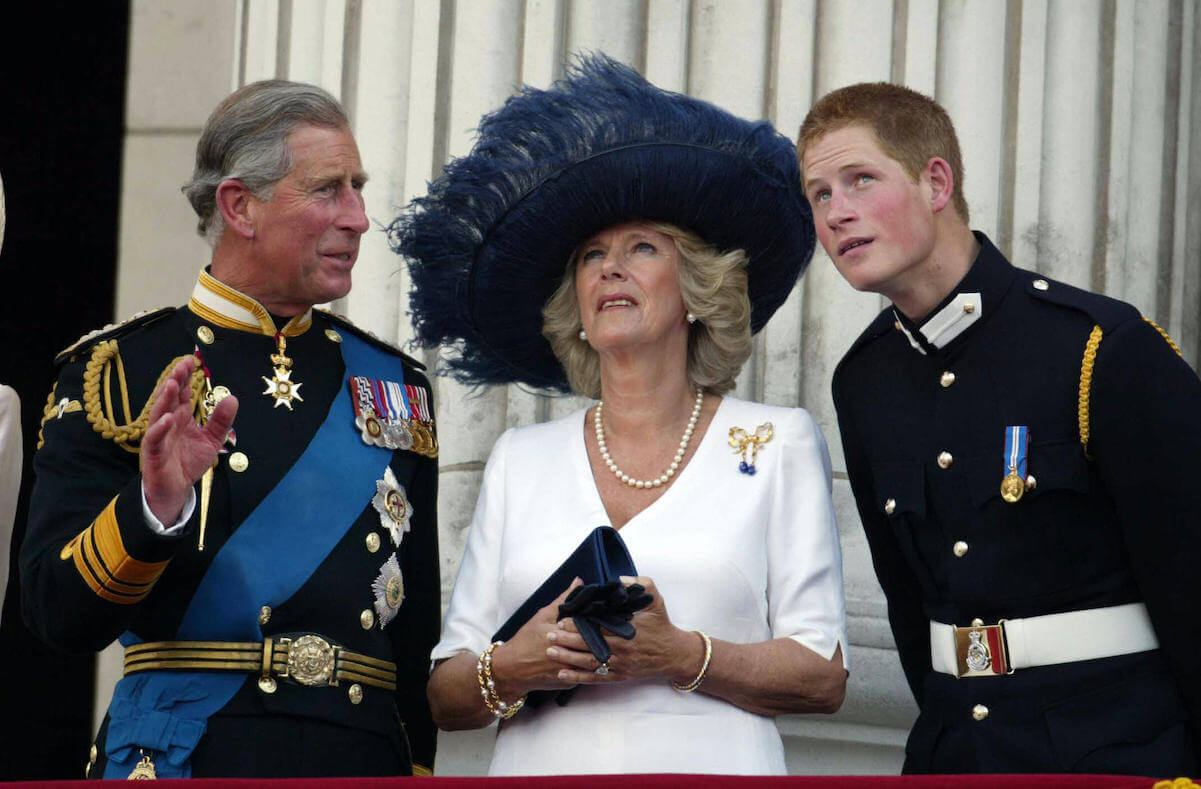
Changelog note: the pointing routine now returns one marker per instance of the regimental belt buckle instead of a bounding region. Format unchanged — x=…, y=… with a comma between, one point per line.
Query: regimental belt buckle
x=311, y=661
x=982, y=650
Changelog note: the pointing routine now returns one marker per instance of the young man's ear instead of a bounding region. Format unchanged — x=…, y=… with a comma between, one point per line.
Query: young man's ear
x=941, y=183
x=234, y=202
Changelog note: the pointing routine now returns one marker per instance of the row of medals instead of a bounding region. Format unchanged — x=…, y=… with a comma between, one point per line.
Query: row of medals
x=404, y=434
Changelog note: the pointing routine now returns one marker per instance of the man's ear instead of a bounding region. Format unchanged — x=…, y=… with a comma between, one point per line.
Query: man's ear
x=234, y=202
x=941, y=183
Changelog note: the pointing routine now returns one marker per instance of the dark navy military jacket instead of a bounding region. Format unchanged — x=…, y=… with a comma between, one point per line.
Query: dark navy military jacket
x=88, y=483
x=1113, y=519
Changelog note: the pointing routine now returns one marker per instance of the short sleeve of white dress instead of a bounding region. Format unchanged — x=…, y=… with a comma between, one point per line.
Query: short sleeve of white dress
x=473, y=614
x=804, y=583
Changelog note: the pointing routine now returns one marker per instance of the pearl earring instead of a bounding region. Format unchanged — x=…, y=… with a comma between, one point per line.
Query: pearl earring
x=691, y=318
x=583, y=335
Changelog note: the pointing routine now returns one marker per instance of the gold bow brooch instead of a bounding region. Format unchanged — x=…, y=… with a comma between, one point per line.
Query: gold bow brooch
x=742, y=442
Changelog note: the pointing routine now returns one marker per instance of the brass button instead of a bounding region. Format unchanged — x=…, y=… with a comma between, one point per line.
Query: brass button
x=372, y=542
x=890, y=506
x=1041, y=284
x=205, y=335
x=239, y=462
x=264, y=615
x=1031, y=482
x=92, y=754
x=367, y=619
x=333, y=335
x=979, y=712
x=969, y=308
x=897, y=325
x=267, y=684
x=355, y=692
x=945, y=459
x=960, y=548
x=947, y=379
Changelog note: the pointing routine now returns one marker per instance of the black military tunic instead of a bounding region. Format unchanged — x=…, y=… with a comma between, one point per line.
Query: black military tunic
x=81, y=594
x=1112, y=519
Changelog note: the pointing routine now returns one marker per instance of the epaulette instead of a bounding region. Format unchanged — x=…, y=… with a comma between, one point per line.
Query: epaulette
x=882, y=325
x=371, y=337
x=1104, y=311
x=113, y=330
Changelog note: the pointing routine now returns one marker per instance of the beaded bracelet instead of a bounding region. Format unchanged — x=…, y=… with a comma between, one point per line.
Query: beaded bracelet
x=483, y=673
x=700, y=677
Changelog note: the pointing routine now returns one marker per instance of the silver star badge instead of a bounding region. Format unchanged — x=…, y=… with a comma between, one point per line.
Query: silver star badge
x=389, y=591
x=392, y=505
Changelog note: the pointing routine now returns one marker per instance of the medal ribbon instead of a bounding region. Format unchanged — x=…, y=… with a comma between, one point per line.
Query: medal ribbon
x=417, y=396
x=167, y=711
x=1016, y=438
x=397, y=400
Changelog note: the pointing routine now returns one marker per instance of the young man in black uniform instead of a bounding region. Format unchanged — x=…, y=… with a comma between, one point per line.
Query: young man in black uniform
x=1024, y=458
x=275, y=584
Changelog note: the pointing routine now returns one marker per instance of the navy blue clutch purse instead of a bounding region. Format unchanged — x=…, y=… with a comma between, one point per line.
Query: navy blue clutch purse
x=601, y=603
x=601, y=557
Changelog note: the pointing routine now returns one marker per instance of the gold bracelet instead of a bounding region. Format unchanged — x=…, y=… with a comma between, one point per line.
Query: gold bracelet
x=700, y=677
x=483, y=673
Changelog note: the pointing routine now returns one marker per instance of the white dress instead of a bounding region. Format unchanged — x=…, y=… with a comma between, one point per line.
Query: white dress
x=745, y=558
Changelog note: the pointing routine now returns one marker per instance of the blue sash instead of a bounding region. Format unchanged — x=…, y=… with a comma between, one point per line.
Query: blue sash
x=167, y=711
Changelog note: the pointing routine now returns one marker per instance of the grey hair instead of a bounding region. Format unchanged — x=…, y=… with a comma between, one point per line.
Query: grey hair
x=246, y=138
x=713, y=286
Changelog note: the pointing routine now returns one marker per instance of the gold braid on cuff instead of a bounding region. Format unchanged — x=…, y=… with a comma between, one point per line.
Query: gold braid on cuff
x=700, y=677
x=483, y=673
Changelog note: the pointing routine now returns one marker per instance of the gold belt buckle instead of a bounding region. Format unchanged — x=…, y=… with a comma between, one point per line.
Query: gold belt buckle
x=311, y=660
x=982, y=650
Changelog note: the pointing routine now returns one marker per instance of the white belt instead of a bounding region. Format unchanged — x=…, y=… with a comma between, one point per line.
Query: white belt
x=987, y=651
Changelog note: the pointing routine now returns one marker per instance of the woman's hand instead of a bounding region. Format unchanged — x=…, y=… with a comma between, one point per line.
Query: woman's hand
x=524, y=662
x=518, y=666
x=659, y=649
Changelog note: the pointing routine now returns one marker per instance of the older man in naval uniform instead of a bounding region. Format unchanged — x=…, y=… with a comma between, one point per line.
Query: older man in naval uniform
x=274, y=578
x=1024, y=456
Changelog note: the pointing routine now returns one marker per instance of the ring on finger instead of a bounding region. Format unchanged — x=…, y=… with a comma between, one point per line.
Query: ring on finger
x=602, y=669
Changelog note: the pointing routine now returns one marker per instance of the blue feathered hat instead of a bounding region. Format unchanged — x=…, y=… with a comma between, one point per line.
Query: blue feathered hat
x=489, y=244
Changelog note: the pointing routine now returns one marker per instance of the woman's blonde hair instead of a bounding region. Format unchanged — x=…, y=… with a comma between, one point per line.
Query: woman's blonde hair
x=713, y=286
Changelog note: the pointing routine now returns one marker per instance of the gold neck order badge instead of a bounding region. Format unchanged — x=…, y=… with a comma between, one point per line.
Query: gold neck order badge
x=281, y=386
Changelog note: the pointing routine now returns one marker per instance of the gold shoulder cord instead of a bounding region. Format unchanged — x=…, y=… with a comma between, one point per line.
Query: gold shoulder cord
x=1086, y=382
x=1166, y=337
x=101, y=417
x=1086, y=375
x=48, y=411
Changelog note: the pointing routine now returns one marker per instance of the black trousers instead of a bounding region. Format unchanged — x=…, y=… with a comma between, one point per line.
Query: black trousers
x=285, y=746
x=1121, y=715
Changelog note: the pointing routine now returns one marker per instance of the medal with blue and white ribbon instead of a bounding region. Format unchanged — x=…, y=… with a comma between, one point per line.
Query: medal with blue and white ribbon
x=1013, y=485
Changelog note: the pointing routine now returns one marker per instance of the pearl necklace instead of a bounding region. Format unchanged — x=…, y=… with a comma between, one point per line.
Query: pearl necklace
x=598, y=422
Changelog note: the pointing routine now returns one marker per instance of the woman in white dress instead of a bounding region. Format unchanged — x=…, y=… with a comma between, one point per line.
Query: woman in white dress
x=724, y=505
